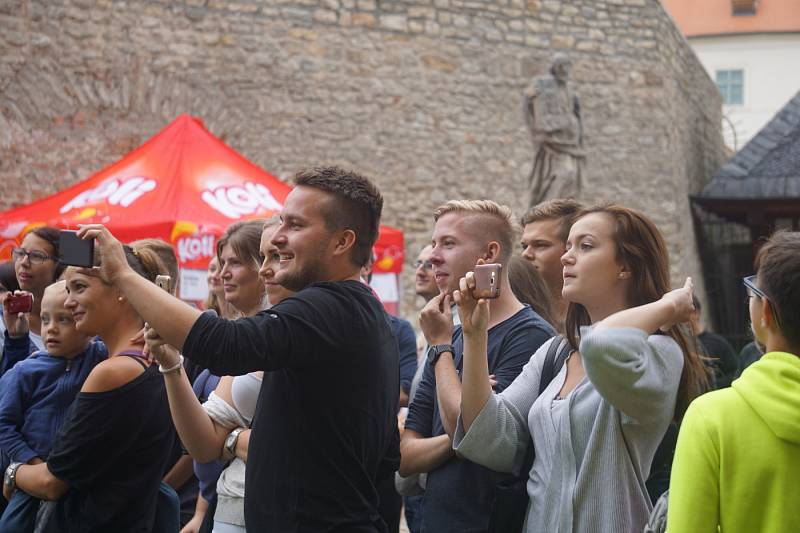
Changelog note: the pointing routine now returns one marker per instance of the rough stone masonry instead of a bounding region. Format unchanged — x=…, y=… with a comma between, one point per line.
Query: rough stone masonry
x=425, y=96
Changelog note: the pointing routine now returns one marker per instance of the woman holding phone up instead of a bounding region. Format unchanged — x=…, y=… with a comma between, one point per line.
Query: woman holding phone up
x=218, y=429
x=36, y=266
x=597, y=425
x=108, y=457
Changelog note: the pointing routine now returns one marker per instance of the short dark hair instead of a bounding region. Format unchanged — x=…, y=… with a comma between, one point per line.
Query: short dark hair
x=564, y=209
x=778, y=269
x=356, y=205
x=8, y=277
x=53, y=236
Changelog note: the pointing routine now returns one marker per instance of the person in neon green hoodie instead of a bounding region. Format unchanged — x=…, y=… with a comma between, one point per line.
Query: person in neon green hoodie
x=737, y=462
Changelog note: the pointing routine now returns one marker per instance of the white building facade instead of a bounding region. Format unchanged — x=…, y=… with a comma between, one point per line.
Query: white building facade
x=757, y=75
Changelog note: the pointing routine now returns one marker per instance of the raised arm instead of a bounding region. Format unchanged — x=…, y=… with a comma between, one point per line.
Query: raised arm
x=202, y=438
x=672, y=308
x=638, y=373
x=171, y=317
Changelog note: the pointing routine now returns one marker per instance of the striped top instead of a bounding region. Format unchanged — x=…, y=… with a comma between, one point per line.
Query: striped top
x=592, y=458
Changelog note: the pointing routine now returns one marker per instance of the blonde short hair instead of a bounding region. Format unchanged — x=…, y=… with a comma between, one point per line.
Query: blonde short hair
x=497, y=221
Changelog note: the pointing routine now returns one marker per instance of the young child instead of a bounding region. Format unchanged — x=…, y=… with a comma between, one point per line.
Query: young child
x=36, y=394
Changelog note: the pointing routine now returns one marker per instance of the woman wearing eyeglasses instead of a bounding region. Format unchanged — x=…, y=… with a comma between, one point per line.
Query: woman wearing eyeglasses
x=36, y=266
x=738, y=456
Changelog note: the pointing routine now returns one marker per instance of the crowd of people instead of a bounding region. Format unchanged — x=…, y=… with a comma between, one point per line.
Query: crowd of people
x=587, y=396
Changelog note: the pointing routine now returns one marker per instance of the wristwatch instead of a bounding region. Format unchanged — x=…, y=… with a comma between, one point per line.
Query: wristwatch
x=10, y=477
x=438, y=349
x=231, y=440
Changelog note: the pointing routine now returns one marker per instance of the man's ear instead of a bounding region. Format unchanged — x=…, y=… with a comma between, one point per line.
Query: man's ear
x=492, y=252
x=345, y=241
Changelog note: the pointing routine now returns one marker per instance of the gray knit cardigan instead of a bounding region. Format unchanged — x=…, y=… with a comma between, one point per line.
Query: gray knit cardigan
x=592, y=459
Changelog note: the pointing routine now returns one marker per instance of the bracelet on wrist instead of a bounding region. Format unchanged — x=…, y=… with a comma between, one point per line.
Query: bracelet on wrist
x=174, y=368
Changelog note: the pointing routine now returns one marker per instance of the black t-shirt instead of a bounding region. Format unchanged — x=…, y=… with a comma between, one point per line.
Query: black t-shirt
x=724, y=363
x=325, y=427
x=112, y=450
x=460, y=495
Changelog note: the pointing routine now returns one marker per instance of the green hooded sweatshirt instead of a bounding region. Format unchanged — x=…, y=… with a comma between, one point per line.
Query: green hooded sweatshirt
x=737, y=463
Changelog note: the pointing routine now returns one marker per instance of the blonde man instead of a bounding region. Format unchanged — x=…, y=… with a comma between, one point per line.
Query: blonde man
x=461, y=495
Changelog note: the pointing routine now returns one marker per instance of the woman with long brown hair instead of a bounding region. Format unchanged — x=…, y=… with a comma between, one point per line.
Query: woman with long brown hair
x=597, y=424
x=529, y=287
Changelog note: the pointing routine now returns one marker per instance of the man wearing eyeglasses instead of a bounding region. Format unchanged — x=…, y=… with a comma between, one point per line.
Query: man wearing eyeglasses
x=424, y=280
x=36, y=266
x=412, y=486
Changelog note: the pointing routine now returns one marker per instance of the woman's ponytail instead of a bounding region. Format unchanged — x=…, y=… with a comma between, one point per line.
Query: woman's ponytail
x=145, y=262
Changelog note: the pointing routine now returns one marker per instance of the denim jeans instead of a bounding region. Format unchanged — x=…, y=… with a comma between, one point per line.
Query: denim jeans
x=20, y=515
x=413, y=512
x=168, y=510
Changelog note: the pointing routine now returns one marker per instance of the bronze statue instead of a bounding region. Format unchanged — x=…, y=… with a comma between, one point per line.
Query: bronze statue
x=552, y=113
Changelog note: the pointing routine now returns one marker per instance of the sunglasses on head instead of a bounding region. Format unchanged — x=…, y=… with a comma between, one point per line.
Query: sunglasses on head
x=754, y=292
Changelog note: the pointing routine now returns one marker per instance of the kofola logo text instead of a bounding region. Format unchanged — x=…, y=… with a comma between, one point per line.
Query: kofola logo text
x=122, y=192
x=239, y=200
x=194, y=247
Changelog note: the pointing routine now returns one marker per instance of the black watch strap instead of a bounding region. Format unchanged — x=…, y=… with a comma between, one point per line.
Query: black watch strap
x=435, y=351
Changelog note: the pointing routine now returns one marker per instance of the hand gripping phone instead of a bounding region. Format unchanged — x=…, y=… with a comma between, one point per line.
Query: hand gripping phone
x=74, y=251
x=487, y=281
x=19, y=303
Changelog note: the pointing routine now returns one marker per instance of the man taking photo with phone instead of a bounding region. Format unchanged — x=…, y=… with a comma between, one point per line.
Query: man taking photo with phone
x=314, y=456
x=461, y=495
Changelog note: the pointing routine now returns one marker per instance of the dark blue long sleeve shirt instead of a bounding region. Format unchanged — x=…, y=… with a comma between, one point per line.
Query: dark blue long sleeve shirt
x=15, y=350
x=35, y=397
x=407, y=346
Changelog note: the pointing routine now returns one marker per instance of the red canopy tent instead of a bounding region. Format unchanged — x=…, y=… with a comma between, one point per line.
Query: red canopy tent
x=184, y=186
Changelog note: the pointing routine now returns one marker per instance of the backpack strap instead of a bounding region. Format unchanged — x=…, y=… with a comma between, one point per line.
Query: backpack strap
x=557, y=353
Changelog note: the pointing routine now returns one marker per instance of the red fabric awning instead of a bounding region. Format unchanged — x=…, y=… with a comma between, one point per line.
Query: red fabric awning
x=184, y=186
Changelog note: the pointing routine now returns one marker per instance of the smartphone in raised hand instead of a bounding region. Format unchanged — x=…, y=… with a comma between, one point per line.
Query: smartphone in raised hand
x=487, y=281
x=74, y=251
x=19, y=303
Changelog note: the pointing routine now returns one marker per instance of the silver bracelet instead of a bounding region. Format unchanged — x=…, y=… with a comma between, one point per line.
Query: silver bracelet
x=175, y=368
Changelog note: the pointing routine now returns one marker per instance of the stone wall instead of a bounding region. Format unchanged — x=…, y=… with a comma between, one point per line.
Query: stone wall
x=424, y=96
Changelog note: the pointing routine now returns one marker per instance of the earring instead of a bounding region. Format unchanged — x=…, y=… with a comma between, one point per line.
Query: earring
x=120, y=298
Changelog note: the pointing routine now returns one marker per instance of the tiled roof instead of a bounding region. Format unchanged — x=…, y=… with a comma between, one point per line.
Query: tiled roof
x=768, y=167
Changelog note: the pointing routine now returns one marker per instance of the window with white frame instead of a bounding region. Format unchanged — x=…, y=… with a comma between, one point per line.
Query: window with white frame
x=731, y=85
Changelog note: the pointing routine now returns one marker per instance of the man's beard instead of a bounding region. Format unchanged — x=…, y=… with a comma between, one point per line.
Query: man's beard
x=304, y=276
